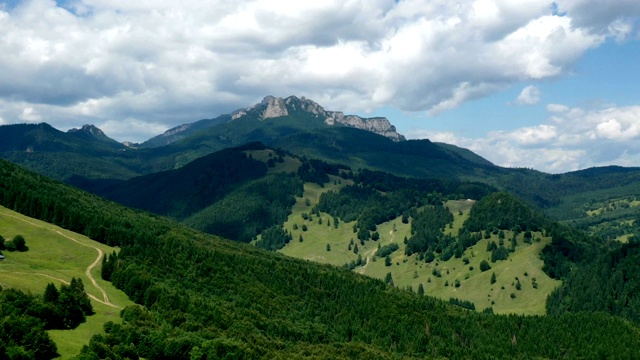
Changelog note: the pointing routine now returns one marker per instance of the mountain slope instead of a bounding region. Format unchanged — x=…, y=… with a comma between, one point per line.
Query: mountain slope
x=204, y=296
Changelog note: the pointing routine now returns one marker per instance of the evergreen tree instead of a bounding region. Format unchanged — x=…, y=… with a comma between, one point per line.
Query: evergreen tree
x=484, y=265
x=493, y=278
x=420, y=290
x=388, y=279
x=51, y=294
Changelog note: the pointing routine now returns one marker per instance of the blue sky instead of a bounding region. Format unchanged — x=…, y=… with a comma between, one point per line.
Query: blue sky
x=605, y=76
x=550, y=85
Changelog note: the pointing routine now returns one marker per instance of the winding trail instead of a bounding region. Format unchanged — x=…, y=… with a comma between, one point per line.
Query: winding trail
x=372, y=253
x=105, y=297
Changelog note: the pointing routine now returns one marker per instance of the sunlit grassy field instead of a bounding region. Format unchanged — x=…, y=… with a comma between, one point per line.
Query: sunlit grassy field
x=408, y=271
x=54, y=257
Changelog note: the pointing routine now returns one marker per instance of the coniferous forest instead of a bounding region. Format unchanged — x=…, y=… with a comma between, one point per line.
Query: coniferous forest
x=202, y=297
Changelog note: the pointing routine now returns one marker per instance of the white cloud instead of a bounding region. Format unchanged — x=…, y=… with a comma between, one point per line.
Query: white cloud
x=575, y=139
x=29, y=114
x=530, y=95
x=167, y=62
x=557, y=108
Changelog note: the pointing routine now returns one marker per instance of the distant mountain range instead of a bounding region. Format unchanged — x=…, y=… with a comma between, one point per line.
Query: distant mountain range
x=89, y=159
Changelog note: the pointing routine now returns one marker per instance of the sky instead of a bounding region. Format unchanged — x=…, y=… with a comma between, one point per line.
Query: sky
x=548, y=85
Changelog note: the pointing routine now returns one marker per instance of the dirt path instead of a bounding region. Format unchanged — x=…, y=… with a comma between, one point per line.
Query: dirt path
x=372, y=252
x=64, y=282
x=87, y=272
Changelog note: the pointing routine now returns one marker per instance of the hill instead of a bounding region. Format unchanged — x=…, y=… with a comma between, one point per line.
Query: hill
x=57, y=255
x=88, y=159
x=209, y=298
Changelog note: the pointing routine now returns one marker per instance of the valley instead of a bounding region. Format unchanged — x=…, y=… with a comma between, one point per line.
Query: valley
x=277, y=232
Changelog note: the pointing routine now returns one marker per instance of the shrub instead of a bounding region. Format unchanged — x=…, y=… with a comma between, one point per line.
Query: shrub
x=484, y=265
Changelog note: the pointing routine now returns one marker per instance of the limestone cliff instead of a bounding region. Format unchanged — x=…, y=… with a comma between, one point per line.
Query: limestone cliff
x=273, y=107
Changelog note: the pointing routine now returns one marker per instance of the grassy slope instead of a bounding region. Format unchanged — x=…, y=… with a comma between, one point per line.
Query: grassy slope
x=52, y=258
x=409, y=271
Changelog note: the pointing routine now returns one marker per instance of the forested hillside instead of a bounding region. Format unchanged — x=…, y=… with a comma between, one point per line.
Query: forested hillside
x=207, y=298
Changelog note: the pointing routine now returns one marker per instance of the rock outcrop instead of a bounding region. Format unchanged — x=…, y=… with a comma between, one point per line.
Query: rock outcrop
x=273, y=107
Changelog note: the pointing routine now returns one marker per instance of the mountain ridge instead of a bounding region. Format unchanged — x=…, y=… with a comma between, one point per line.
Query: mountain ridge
x=273, y=107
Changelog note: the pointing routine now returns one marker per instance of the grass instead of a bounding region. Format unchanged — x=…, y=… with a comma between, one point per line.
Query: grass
x=52, y=257
x=289, y=164
x=408, y=271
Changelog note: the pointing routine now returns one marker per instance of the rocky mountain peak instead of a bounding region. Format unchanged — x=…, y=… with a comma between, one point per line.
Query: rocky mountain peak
x=273, y=107
x=89, y=129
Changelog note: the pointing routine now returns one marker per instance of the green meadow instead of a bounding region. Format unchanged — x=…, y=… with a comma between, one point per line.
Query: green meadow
x=458, y=277
x=55, y=256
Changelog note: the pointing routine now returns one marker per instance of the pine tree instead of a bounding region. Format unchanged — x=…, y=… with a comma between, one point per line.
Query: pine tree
x=420, y=290
x=51, y=294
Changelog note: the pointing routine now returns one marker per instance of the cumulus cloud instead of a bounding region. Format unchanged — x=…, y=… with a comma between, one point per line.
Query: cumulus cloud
x=572, y=139
x=167, y=62
x=530, y=95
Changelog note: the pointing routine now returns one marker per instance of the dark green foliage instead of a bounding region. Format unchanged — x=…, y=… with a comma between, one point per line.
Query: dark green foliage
x=387, y=260
x=500, y=253
x=484, y=266
x=51, y=294
x=420, y=290
x=494, y=278
x=462, y=303
x=317, y=171
x=609, y=283
x=273, y=238
x=429, y=257
x=491, y=246
x=426, y=231
x=24, y=318
x=10, y=246
x=568, y=247
x=108, y=265
x=354, y=264
x=182, y=192
x=503, y=211
x=251, y=208
x=378, y=197
x=388, y=279
x=19, y=243
x=2, y=243
x=328, y=247
x=206, y=296
x=386, y=250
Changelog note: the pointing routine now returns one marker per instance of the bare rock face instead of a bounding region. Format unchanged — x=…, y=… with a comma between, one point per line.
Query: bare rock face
x=272, y=107
x=276, y=107
x=378, y=125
